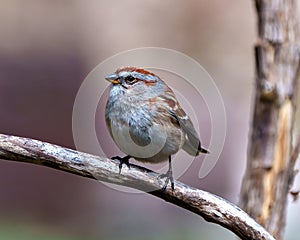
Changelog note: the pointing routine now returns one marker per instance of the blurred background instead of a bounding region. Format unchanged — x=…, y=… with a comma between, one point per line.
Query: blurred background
x=47, y=48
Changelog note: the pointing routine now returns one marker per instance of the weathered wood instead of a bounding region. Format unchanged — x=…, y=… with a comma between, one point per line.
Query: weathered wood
x=209, y=206
x=269, y=172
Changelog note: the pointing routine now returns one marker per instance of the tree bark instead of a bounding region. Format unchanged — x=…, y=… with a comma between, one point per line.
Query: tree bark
x=209, y=206
x=271, y=157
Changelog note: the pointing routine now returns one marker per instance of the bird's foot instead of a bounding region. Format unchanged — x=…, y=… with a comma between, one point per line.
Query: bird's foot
x=123, y=160
x=169, y=178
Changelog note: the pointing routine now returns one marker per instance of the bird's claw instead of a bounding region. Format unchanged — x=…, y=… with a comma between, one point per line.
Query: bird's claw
x=169, y=178
x=123, y=160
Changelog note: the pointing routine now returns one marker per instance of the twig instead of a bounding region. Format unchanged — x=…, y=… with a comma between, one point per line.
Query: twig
x=209, y=206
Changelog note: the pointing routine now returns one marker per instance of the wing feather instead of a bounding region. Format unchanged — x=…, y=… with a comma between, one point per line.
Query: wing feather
x=192, y=144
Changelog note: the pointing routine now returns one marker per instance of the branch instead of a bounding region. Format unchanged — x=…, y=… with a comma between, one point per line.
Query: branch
x=211, y=207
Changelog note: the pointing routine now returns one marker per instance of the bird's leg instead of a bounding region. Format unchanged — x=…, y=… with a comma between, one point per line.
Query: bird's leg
x=123, y=160
x=169, y=176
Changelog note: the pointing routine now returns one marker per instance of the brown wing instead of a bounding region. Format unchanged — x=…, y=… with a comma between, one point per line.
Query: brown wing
x=192, y=144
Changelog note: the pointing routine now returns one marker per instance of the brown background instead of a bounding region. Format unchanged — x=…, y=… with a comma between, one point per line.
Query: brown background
x=47, y=48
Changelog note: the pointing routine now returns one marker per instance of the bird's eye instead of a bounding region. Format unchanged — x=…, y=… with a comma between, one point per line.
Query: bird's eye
x=130, y=79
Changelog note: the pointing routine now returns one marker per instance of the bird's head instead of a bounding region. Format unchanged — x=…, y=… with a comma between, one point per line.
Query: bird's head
x=133, y=79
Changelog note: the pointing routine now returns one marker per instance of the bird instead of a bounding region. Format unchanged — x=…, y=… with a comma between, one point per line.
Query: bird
x=142, y=110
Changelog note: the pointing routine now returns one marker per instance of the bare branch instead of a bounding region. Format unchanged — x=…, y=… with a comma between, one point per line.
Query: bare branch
x=209, y=206
x=271, y=160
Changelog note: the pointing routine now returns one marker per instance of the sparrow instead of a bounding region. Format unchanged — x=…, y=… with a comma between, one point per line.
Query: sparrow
x=146, y=121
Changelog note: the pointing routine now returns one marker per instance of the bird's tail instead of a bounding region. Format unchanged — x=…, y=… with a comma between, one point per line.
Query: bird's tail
x=190, y=148
x=203, y=150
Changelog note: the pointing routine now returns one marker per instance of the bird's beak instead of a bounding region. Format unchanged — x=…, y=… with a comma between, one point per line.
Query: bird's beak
x=113, y=78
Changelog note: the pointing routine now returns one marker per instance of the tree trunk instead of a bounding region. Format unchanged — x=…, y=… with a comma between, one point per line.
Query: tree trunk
x=271, y=157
